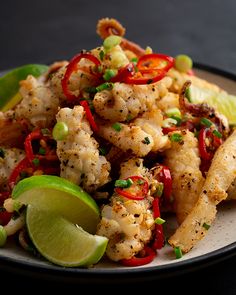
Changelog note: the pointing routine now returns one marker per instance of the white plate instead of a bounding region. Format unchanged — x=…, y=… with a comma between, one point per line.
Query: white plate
x=219, y=243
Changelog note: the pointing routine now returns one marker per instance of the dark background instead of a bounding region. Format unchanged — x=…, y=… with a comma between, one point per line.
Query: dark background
x=45, y=31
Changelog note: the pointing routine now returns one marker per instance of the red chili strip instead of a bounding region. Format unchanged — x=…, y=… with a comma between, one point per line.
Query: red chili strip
x=151, y=68
x=124, y=73
x=72, y=67
x=159, y=239
x=207, y=152
x=155, y=62
x=138, y=182
x=150, y=254
x=166, y=179
x=89, y=115
x=37, y=135
x=4, y=216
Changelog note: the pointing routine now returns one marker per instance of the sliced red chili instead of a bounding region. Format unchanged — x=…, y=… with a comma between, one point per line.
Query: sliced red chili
x=137, y=191
x=155, y=62
x=124, y=73
x=89, y=115
x=166, y=179
x=36, y=135
x=207, y=149
x=150, y=254
x=159, y=240
x=4, y=216
x=72, y=67
x=167, y=130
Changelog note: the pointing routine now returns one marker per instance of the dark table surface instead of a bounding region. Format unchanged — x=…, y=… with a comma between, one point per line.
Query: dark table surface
x=45, y=31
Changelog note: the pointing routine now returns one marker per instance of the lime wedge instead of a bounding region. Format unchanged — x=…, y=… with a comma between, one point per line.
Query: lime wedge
x=223, y=102
x=61, y=241
x=9, y=83
x=61, y=197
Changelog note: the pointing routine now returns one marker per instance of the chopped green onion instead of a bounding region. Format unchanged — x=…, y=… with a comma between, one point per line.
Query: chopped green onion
x=117, y=127
x=60, y=131
x=169, y=122
x=42, y=151
x=183, y=63
x=121, y=183
x=179, y=121
x=206, y=122
x=101, y=55
x=35, y=161
x=206, y=226
x=111, y=41
x=109, y=73
x=134, y=60
x=146, y=140
x=3, y=236
x=129, y=182
x=178, y=252
x=159, y=220
x=176, y=137
x=104, y=86
x=173, y=112
x=217, y=133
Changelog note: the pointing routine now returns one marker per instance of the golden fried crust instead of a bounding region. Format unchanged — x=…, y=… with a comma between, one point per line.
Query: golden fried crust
x=219, y=178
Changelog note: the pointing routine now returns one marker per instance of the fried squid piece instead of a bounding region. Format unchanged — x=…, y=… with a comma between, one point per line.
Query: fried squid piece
x=126, y=102
x=38, y=106
x=221, y=174
x=128, y=138
x=151, y=122
x=127, y=223
x=184, y=163
x=78, y=153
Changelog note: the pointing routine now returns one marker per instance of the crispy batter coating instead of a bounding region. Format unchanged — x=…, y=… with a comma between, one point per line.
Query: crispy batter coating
x=184, y=163
x=221, y=174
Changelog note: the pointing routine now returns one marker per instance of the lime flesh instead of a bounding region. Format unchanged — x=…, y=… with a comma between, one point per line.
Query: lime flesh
x=60, y=196
x=223, y=102
x=61, y=241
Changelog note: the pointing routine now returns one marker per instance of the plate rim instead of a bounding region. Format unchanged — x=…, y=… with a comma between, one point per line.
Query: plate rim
x=84, y=275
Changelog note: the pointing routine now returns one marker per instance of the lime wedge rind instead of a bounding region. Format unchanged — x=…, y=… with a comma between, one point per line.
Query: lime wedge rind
x=61, y=197
x=9, y=83
x=61, y=242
